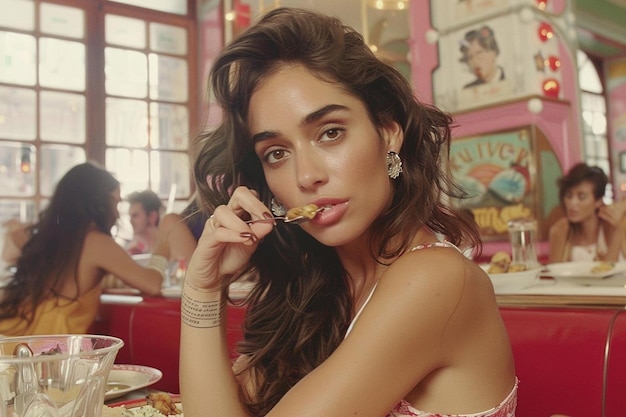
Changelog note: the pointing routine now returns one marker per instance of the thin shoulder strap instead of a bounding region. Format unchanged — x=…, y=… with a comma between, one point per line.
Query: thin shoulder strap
x=367, y=300
x=442, y=244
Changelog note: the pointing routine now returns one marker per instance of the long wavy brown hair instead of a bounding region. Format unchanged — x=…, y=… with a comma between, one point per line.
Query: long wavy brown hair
x=301, y=306
x=81, y=201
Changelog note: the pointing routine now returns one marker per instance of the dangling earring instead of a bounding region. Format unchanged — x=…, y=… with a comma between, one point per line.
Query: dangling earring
x=277, y=208
x=394, y=165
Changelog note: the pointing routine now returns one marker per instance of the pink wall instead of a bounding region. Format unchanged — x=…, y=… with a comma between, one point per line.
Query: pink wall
x=558, y=118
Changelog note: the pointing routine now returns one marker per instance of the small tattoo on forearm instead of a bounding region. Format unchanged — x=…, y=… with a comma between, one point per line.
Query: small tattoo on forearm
x=201, y=314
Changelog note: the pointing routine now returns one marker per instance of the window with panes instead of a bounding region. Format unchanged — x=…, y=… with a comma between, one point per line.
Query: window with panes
x=101, y=80
x=594, y=121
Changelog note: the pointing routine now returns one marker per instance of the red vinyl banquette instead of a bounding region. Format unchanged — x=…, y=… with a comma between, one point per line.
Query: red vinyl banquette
x=570, y=360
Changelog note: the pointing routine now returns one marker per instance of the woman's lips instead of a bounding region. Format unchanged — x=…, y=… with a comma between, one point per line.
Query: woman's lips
x=332, y=212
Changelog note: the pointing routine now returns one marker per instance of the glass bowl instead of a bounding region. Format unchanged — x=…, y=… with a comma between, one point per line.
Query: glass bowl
x=55, y=375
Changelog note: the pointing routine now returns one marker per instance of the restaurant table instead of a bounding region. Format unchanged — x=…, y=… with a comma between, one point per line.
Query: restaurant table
x=602, y=292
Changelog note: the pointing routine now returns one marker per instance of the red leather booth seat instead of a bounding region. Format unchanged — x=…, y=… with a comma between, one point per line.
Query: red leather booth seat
x=151, y=333
x=569, y=360
x=616, y=369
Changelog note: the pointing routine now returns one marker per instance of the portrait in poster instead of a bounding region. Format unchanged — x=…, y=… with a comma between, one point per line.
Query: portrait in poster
x=480, y=51
x=483, y=64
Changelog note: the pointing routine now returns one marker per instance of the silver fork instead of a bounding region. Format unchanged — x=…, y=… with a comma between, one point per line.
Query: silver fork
x=294, y=220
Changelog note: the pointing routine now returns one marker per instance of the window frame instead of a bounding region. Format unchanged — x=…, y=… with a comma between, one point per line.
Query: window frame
x=95, y=146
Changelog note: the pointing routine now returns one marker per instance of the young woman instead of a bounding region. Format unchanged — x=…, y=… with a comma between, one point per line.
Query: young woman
x=56, y=288
x=360, y=311
x=590, y=230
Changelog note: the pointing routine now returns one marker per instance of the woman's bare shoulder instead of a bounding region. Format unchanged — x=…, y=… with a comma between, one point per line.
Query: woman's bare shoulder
x=171, y=219
x=426, y=299
x=429, y=262
x=434, y=275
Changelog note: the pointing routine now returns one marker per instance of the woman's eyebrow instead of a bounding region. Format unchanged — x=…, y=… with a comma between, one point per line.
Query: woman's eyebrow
x=308, y=119
x=268, y=134
x=318, y=114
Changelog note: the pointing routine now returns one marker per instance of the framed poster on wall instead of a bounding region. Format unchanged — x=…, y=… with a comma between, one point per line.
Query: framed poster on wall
x=493, y=61
x=507, y=175
x=480, y=65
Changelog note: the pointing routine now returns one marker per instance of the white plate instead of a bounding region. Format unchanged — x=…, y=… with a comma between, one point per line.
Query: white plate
x=510, y=280
x=135, y=376
x=580, y=270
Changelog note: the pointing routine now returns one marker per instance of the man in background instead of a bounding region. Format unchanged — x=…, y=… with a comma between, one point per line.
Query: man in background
x=145, y=212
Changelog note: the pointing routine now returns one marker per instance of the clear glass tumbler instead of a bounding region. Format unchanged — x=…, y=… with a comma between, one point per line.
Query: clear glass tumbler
x=523, y=236
x=55, y=375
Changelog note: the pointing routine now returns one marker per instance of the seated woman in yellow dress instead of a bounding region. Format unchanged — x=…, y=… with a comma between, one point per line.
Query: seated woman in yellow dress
x=57, y=284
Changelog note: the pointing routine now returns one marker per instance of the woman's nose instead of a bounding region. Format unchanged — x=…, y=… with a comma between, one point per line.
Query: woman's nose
x=310, y=170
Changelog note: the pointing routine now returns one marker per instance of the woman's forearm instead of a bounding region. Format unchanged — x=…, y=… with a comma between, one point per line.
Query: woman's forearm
x=208, y=384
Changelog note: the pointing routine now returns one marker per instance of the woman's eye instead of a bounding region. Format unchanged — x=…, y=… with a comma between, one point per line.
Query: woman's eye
x=274, y=156
x=332, y=134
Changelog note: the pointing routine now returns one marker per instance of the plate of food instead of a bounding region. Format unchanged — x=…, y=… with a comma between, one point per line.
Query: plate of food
x=128, y=378
x=587, y=270
x=155, y=404
x=506, y=274
x=515, y=279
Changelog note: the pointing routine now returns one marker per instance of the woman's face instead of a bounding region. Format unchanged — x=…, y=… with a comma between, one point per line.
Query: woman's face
x=318, y=146
x=482, y=62
x=580, y=203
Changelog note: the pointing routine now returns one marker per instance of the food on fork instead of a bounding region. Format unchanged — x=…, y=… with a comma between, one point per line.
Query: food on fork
x=309, y=211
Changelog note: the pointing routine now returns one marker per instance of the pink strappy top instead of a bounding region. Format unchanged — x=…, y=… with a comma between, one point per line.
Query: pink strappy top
x=506, y=408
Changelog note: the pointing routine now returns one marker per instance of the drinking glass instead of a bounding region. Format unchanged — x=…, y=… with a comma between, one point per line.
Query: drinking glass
x=523, y=236
x=55, y=375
